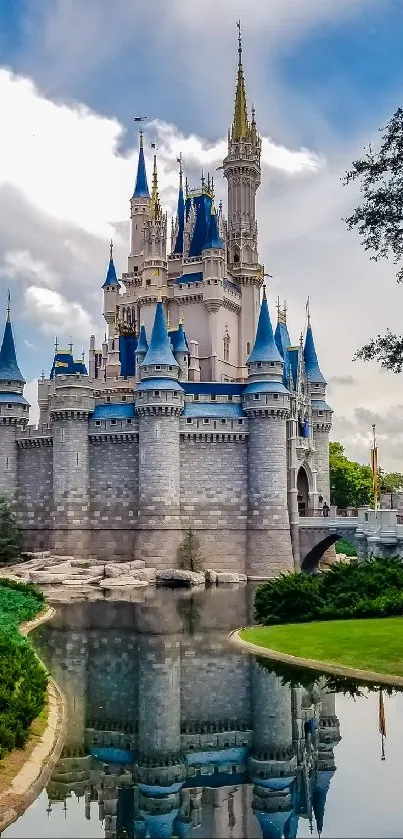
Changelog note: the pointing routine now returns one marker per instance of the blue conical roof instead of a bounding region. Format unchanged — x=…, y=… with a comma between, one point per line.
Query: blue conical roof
x=141, y=187
x=282, y=338
x=320, y=791
x=312, y=368
x=181, y=219
x=9, y=369
x=159, y=351
x=142, y=344
x=265, y=348
x=111, y=278
x=178, y=340
x=213, y=239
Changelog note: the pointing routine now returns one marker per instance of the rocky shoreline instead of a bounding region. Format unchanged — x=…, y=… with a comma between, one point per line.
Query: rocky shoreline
x=47, y=569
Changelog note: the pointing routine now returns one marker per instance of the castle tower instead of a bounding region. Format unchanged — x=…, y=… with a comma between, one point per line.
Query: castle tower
x=155, y=240
x=181, y=353
x=159, y=403
x=321, y=414
x=111, y=288
x=141, y=351
x=139, y=208
x=179, y=228
x=266, y=403
x=71, y=403
x=14, y=409
x=242, y=170
x=213, y=291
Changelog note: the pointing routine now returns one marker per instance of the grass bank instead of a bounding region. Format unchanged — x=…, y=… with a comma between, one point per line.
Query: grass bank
x=369, y=644
x=23, y=679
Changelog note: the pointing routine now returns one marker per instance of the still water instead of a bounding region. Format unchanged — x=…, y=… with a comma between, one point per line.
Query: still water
x=173, y=733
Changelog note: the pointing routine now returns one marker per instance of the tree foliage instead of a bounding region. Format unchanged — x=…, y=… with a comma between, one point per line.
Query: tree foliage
x=350, y=482
x=189, y=553
x=10, y=544
x=379, y=222
x=367, y=589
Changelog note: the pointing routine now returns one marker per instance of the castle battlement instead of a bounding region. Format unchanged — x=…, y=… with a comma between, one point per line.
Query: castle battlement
x=193, y=412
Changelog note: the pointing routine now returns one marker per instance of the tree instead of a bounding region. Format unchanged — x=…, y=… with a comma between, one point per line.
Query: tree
x=350, y=482
x=379, y=221
x=10, y=543
x=189, y=553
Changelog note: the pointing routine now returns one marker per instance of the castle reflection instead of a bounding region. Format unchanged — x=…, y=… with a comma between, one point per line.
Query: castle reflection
x=173, y=733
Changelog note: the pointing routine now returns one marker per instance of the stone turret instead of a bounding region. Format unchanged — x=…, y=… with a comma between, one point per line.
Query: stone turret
x=159, y=404
x=181, y=353
x=266, y=402
x=141, y=351
x=14, y=409
x=155, y=268
x=321, y=414
x=242, y=171
x=139, y=208
x=71, y=403
x=111, y=288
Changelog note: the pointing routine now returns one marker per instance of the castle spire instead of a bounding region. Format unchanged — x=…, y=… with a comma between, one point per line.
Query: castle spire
x=141, y=187
x=159, y=350
x=155, y=209
x=313, y=371
x=213, y=239
x=265, y=348
x=9, y=369
x=240, y=124
x=111, y=278
x=181, y=211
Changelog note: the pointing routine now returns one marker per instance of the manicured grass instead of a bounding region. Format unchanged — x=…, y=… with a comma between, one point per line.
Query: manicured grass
x=368, y=644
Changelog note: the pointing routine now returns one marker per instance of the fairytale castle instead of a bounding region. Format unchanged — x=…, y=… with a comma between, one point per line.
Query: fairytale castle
x=194, y=413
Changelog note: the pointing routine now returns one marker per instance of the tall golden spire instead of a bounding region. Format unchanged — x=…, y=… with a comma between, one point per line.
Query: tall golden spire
x=155, y=208
x=240, y=124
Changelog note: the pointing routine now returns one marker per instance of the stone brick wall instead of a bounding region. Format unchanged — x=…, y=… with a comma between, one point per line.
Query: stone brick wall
x=271, y=709
x=71, y=474
x=269, y=542
x=8, y=460
x=321, y=439
x=114, y=465
x=214, y=499
x=214, y=698
x=35, y=495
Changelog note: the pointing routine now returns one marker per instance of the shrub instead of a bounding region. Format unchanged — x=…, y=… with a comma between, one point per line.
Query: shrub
x=344, y=546
x=10, y=543
x=371, y=588
x=23, y=679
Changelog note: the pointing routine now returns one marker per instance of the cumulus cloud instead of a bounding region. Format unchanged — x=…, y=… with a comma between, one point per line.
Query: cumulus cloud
x=22, y=266
x=53, y=311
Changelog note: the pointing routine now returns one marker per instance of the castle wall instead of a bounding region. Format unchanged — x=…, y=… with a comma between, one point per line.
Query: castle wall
x=321, y=439
x=8, y=460
x=35, y=495
x=213, y=699
x=213, y=493
x=70, y=533
x=114, y=466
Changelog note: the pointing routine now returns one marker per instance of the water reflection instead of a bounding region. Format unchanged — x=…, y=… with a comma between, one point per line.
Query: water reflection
x=173, y=733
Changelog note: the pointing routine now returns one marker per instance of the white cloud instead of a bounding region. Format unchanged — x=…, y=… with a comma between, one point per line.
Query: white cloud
x=54, y=312
x=31, y=394
x=22, y=266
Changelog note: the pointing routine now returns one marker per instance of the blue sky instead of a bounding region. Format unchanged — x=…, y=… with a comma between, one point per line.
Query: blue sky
x=324, y=75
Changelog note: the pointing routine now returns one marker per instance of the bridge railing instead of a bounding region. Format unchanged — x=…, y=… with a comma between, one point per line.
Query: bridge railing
x=348, y=512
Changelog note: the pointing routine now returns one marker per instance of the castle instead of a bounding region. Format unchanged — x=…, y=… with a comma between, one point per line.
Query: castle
x=194, y=413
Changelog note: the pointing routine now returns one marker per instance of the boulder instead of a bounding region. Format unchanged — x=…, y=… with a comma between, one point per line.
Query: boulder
x=80, y=581
x=177, y=577
x=117, y=569
x=123, y=580
x=57, y=559
x=148, y=574
x=46, y=578
x=210, y=577
x=228, y=577
x=63, y=568
x=136, y=564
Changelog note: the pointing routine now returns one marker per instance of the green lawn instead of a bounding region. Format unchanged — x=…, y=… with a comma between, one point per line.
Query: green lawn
x=372, y=644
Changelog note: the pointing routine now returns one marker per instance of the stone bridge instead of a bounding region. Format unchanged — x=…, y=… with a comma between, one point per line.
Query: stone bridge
x=374, y=532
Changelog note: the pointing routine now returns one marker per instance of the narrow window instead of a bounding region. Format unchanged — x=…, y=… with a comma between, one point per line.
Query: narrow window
x=77, y=459
x=248, y=348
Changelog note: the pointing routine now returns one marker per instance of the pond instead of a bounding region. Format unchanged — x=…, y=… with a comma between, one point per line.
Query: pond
x=172, y=732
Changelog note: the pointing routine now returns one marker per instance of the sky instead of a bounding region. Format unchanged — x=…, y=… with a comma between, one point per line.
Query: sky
x=324, y=75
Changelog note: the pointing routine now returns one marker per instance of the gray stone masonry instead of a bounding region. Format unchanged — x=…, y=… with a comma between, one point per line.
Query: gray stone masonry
x=35, y=492
x=269, y=541
x=321, y=439
x=160, y=679
x=71, y=485
x=8, y=460
x=271, y=710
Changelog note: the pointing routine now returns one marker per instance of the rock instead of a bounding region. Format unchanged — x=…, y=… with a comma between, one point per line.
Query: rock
x=80, y=581
x=228, y=577
x=210, y=577
x=57, y=558
x=148, y=574
x=136, y=564
x=176, y=577
x=123, y=580
x=45, y=578
x=63, y=568
x=117, y=569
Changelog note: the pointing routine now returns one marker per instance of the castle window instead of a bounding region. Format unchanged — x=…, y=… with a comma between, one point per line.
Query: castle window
x=272, y=364
x=195, y=397
x=148, y=282
x=256, y=396
x=258, y=364
x=213, y=397
x=108, y=398
x=62, y=435
x=229, y=397
x=6, y=462
x=248, y=347
x=113, y=422
x=9, y=406
x=227, y=341
x=129, y=422
x=320, y=413
x=206, y=421
x=188, y=420
x=275, y=395
x=97, y=422
x=124, y=398
x=175, y=395
x=158, y=367
x=8, y=383
x=240, y=422
x=77, y=459
x=156, y=393
x=170, y=367
x=223, y=421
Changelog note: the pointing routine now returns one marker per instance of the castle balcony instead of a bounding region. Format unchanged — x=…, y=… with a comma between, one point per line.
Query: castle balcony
x=304, y=446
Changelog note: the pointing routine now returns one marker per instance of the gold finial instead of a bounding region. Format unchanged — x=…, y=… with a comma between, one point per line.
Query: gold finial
x=264, y=291
x=111, y=249
x=155, y=209
x=179, y=160
x=8, y=305
x=43, y=375
x=240, y=125
x=308, y=312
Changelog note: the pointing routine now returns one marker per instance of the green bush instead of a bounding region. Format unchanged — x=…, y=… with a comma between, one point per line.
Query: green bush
x=10, y=542
x=23, y=679
x=366, y=589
